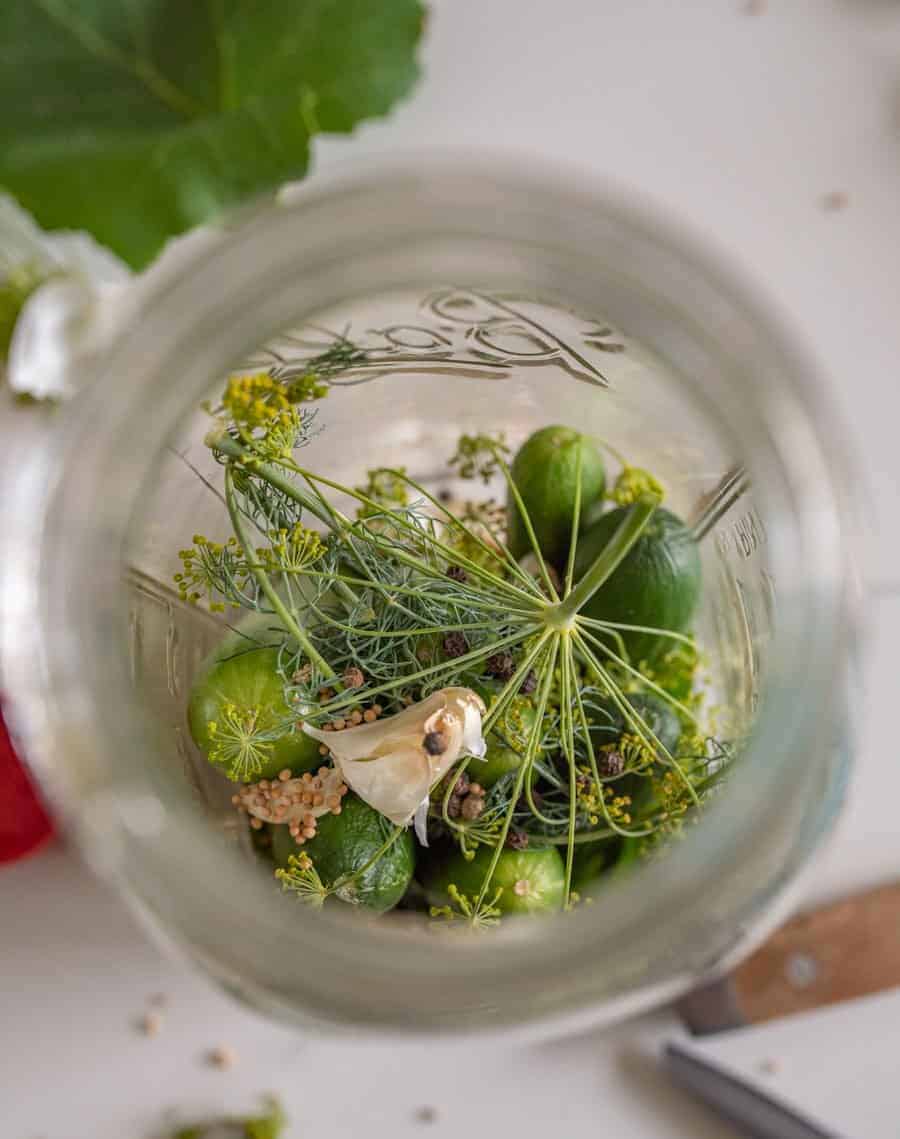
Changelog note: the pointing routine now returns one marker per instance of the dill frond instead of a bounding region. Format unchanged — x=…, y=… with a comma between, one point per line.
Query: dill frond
x=477, y=913
x=238, y=745
x=479, y=456
x=302, y=879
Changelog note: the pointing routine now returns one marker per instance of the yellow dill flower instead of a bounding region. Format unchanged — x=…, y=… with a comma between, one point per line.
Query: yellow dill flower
x=632, y=484
x=306, y=388
x=254, y=401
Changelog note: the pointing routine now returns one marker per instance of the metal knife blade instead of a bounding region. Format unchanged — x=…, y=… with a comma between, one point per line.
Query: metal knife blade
x=758, y=1114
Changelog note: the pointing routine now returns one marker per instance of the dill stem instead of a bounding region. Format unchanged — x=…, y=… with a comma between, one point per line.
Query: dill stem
x=627, y=533
x=508, y=693
x=266, y=585
x=655, y=688
x=235, y=451
x=453, y=556
x=599, y=835
x=448, y=666
x=568, y=742
x=526, y=522
x=448, y=514
x=470, y=601
x=576, y=523
x=537, y=812
x=241, y=454
x=610, y=626
x=525, y=768
x=592, y=759
x=632, y=718
x=346, y=879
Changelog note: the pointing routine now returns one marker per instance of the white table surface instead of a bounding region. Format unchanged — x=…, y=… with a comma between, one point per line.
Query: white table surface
x=738, y=123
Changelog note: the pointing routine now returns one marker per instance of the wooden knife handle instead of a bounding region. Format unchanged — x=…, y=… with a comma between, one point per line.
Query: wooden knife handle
x=845, y=950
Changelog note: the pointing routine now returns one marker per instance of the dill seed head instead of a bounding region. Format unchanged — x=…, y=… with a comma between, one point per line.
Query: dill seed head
x=501, y=665
x=455, y=644
x=435, y=743
x=457, y=573
x=529, y=684
x=610, y=764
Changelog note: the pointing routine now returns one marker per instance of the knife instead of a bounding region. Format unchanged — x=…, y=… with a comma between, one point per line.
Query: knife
x=841, y=951
x=758, y=1114
x=834, y=954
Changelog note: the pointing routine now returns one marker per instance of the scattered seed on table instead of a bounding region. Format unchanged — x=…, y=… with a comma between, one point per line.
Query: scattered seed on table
x=222, y=1058
x=834, y=201
x=150, y=1024
x=426, y=1114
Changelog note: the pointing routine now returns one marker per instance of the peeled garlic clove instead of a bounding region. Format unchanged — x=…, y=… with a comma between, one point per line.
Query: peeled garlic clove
x=393, y=763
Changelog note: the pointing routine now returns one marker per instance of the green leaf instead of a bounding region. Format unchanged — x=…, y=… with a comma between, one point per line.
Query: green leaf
x=139, y=119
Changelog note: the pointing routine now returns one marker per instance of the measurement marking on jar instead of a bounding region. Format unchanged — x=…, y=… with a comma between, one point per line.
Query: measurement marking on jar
x=749, y=533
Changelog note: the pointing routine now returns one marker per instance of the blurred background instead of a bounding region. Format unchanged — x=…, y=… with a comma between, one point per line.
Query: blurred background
x=772, y=131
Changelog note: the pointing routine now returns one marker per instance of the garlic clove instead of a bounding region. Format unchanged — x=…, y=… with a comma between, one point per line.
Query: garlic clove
x=393, y=762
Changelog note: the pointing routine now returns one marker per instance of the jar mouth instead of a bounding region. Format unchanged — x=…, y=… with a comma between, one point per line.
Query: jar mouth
x=409, y=225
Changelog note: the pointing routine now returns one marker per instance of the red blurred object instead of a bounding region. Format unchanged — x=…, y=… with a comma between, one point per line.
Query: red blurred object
x=24, y=823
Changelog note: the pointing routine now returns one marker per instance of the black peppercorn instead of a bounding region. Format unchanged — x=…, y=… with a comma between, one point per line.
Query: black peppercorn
x=517, y=840
x=455, y=644
x=529, y=684
x=435, y=743
x=501, y=665
x=472, y=806
x=461, y=787
x=610, y=764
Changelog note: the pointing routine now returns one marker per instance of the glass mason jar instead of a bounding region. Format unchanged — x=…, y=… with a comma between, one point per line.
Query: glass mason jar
x=488, y=299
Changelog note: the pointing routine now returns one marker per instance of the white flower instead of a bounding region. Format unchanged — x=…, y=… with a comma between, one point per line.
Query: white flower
x=68, y=318
x=87, y=293
x=393, y=763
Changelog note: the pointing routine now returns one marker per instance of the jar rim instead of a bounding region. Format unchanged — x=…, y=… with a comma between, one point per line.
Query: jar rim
x=351, y=229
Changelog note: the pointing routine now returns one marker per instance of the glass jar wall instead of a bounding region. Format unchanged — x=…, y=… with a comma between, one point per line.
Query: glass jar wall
x=484, y=301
